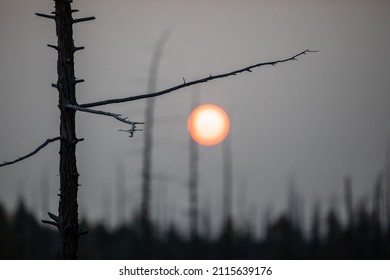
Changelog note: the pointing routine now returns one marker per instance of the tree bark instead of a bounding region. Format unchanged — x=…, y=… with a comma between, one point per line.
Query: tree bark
x=68, y=207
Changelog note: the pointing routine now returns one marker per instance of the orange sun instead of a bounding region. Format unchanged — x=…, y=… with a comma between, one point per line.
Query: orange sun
x=208, y=124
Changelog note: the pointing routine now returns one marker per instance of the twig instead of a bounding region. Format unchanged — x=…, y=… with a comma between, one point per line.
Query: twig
x=187, y=84
x=131, y=131
x=75, y=49
x=83, y=19
x=97, y=112
x=53, y=47
x=53, y=217
x=104, y=113
x=50, y=223
x=32, y=153
x=45, y=16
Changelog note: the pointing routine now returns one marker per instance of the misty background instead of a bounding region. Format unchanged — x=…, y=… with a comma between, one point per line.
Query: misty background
x=307, y=123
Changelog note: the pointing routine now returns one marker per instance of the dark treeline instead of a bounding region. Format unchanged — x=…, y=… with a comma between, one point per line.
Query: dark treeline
x=364, y=234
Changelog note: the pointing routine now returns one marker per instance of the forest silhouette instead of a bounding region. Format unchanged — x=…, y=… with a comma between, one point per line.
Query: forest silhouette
x=362, y=233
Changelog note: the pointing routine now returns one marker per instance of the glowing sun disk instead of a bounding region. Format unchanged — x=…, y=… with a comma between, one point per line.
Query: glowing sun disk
x=208, y=124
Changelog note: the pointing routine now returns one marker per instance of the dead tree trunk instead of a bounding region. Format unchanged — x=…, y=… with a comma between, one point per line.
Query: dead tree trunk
x=68, y=208
x=67, y=219
x=193, y=185
x=227, y=183
x=227, y=210
x=145, y=214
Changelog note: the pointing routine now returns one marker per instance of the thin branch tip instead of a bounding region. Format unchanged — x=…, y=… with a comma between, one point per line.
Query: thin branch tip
x=50, y=223
x=77, y=20
x=45, y=16
x=104, y=113
x=53, y=217
x=47, y=142
x=53, y=47
x=194, y=82
x=75, y=49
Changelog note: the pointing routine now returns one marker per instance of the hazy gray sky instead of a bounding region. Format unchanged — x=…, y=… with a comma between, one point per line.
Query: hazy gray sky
x=316, y=119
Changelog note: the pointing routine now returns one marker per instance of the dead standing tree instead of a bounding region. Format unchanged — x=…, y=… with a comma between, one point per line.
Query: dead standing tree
x=147, y=155
x=193, y=185
x=67, y=219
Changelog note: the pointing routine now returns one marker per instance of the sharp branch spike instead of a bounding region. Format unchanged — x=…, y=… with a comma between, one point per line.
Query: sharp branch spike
x=52, y=46
x=54, y=217
x=77, y=81
x=75, y=49
x=45, y=16
x=77, y=20
x=50, y=223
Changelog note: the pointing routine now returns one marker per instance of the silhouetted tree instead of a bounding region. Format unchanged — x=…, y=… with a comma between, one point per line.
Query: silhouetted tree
x=22, y=237
x=148, y=147
x=284, y=239
x=315, y=233
x=333, y=235
x=228, y=229
x=7, y=249
x=193, y=187
x=349, y=209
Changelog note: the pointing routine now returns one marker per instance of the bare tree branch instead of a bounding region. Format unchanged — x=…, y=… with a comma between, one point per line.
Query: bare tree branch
x=50, y=223
x=104, y=113
x=32, y=153
x=53, y=217
x=83, y=19
x=45, y=16
x=187, y=84
x=97, y=112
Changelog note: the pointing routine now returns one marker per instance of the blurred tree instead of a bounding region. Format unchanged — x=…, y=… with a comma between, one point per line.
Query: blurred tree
x=193, y=186
x=315, y=233
x=147, y=157
x=334, y=235
x=7, y=242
